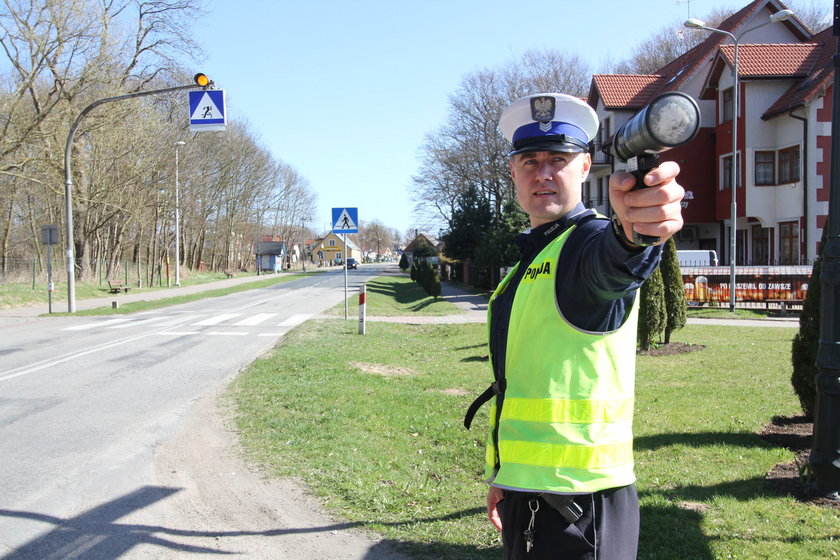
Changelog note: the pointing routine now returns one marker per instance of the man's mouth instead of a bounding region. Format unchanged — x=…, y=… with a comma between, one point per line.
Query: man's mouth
x=543, y=193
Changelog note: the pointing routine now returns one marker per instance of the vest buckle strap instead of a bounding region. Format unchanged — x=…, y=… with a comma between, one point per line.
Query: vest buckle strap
x=494, y=390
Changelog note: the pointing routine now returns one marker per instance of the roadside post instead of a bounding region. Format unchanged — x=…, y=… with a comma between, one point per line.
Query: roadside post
x=362, y=303
x=49, y=237
x=345, y=220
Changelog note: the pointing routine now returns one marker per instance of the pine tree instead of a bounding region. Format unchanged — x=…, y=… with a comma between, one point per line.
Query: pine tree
x=651, y=310
x=675, y=306
x=803, y=355
x=436, y=288
x=403, y=262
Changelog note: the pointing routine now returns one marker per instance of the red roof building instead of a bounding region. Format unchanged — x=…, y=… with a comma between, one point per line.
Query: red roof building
x=784, y=134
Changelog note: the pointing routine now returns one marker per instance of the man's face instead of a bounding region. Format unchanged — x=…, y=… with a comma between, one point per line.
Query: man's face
x=548, y=184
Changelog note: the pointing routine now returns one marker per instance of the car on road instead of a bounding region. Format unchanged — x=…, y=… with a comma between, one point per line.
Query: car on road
x=351, y=263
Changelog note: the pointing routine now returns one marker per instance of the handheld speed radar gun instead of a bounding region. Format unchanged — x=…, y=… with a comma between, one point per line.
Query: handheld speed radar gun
x=670, y=120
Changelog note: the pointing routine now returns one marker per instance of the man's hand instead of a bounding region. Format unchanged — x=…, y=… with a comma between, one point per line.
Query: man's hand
x=494, y=496
x=654, y=210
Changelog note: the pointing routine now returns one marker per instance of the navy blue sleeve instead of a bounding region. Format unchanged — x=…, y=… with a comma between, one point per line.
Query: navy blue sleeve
x=598, y=276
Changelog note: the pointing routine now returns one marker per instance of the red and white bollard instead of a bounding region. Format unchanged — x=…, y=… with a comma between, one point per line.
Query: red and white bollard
x=362, y=297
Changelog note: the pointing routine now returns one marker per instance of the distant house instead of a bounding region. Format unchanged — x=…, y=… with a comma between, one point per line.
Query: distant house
x=331, y=250
x=269, y=255
x=421, y=240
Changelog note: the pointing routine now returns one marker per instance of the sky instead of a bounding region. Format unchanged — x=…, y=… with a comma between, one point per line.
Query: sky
x=345, y=91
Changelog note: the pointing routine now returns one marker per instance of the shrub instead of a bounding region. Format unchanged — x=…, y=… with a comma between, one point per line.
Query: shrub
x=435, y=291
x=651, y=310
x=403, y=262
x=803, y=355
x=675, y=306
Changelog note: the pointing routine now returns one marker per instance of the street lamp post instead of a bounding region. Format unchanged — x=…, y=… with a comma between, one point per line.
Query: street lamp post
x=825, y=449
x=692, y=23
x=199, y=79
x=178, y=144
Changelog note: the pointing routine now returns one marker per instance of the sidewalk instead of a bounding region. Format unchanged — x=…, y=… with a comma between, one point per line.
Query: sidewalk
x=474, y=309
x=474, y=306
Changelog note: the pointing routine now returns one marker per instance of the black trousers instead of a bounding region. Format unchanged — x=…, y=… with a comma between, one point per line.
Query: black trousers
x=607, y=530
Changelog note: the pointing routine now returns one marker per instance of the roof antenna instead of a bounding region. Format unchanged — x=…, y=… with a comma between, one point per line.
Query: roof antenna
x=688, y=9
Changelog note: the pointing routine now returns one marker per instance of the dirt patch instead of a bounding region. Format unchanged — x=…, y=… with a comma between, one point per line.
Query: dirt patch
x=223, y=506
x=455, y=392
x=670, y=349
x=381, y=369
x=796, y=434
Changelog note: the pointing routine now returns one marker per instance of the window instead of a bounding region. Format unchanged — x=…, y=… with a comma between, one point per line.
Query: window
x=726, y=105
x=726, y=179
x=789, y=243
x=765, y=168
x=789, y=165
x=332, y=242
x=760, y=245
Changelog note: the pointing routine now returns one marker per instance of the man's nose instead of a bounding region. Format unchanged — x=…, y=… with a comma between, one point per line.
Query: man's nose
x=545, y=171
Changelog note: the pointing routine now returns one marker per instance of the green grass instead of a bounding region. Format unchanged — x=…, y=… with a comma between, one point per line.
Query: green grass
x=373, y=424
x=393, y=296
x=725, y=313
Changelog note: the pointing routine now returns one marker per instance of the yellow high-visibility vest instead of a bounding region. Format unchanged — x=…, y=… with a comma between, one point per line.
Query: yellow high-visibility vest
x=567, y=414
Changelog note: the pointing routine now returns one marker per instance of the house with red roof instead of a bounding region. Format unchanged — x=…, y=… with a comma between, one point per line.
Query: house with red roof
x=783, y=136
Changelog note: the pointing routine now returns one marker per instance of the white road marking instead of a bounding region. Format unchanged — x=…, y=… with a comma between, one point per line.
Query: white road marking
x=295, y=320
x=139, y=323
x=97, y=324
x=255, y=319
x=216, y=320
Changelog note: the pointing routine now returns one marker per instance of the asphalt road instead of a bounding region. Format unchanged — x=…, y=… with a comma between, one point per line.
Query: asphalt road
x=85, y=402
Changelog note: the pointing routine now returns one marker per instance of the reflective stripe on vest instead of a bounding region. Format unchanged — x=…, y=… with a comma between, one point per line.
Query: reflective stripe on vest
x=566, y=419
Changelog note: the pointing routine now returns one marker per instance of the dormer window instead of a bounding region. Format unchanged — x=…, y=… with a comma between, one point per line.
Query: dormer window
x=726, y=103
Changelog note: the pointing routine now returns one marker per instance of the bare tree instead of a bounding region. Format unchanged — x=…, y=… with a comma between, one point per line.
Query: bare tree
x=469, y=150
x=374, y=236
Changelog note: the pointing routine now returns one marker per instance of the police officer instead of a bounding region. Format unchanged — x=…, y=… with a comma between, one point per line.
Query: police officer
x=563, y=339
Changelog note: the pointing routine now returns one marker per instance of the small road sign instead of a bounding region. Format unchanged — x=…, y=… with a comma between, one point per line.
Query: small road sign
x=207, y=110
x=345, y=220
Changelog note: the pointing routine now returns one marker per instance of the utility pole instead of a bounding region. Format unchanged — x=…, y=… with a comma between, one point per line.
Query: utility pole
x=825, y=452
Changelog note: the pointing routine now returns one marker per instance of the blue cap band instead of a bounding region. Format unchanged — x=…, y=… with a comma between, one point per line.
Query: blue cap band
x=533, y=132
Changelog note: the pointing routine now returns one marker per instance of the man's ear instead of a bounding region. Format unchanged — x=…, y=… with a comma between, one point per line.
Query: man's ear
x=587, y=164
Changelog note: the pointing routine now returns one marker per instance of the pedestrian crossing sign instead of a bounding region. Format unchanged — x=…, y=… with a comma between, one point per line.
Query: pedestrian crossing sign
x=345, y=220
x=207, y=110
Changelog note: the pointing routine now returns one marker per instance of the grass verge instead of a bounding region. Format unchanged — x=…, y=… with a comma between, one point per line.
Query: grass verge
x=146, y=305
x=393, y=296
x=373, y=424
x=22, y=294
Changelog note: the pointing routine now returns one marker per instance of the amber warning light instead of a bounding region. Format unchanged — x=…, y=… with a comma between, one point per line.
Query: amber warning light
x=202, y=80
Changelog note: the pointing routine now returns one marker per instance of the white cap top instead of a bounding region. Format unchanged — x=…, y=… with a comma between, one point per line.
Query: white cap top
x=549, y=122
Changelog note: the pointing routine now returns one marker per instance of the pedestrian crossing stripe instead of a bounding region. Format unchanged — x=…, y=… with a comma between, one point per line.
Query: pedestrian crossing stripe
x=254, y=320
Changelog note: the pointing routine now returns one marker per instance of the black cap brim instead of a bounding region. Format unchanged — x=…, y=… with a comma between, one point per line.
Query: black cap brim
x=564, y=147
